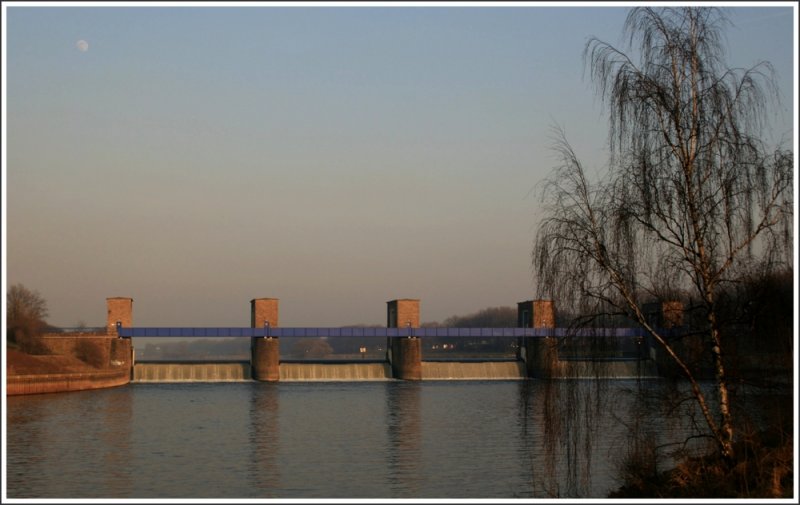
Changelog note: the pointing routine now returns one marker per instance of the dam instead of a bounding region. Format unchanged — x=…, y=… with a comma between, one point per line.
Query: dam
x=239, y=371
x=537, y=349
x=192, y=371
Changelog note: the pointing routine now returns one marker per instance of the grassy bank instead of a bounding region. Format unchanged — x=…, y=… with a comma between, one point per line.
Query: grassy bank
x=68, y=364
x=21, y=363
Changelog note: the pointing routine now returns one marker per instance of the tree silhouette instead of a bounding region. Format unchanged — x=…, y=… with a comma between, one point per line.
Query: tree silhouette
x=26, y=311
x=693, y=199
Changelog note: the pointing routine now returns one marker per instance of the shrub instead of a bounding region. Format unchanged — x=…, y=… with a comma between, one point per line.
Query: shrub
x=91, y=352
x=25, y=313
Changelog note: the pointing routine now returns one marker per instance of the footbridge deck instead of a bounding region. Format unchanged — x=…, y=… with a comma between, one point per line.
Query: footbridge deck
x=539, y=348
x=377, y=332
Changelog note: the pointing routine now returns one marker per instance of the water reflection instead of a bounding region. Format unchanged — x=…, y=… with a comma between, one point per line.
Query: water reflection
x=403, y=424
x=57, y=439
x=571, y=435
x=264, y=439
x=115, y=436
x=435, y=439
x=527, y=450
x=27, y=442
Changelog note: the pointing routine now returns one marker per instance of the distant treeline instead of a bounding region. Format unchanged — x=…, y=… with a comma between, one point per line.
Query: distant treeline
x=201, y=348
x=491, y=317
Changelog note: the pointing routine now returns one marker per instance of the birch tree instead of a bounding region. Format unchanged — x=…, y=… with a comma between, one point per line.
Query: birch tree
x=693, y=196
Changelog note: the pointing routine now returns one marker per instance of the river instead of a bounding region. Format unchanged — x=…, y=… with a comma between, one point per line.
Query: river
x=373, y=440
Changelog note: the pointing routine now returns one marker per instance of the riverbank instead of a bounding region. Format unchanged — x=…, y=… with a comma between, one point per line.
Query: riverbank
x=763, y=469
x=91, y=363
x=21, y=363
x=763, y=464
x=59, y=383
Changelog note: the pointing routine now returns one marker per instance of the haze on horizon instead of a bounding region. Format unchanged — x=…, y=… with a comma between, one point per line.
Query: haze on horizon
x=194, y=158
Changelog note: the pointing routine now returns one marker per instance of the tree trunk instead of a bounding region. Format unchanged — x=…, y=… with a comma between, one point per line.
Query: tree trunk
x=725, y=437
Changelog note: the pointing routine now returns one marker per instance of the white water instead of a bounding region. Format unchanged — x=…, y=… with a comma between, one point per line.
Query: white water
x=481, y=370
x=431, y=370
x=335, y=372
x=192, y=372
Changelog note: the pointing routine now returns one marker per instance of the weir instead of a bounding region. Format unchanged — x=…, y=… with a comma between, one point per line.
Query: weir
x=322, y=372
x=325, y=372
x=472, y=370
x=542, y=350
x=348, y=372
x=333, y=372
x=192, y=372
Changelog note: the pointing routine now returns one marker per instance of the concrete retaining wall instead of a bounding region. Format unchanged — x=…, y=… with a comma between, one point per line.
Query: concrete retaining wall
x=111, y=354
x=56, y=383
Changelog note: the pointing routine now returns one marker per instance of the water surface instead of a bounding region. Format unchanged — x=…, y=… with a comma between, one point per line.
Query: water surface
x=393, y=439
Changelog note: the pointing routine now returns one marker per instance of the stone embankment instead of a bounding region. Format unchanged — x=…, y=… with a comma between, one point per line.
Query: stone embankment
x=78, y=362
x=70, y=381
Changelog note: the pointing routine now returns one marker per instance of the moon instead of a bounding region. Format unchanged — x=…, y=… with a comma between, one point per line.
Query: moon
x=82, y=45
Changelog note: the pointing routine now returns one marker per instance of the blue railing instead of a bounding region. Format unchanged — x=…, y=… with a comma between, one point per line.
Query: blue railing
x=378, y=332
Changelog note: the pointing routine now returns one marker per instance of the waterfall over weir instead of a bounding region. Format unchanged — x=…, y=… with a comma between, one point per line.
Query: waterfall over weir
x=240, y=371
x=234, y=371
x=335, y=372
x=473, y=370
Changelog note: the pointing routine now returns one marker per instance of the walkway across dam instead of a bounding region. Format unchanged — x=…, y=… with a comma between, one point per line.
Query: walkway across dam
x=539, y=349
x=288, y=332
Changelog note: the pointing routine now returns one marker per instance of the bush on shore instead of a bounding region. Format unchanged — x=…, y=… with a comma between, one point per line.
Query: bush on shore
x=763, y=469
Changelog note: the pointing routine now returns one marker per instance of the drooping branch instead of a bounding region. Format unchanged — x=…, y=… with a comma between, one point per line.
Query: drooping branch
x=690, y=188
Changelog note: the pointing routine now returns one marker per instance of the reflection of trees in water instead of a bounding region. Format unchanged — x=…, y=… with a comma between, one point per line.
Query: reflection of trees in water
x=264, y=438
x=91, y=443
x=588, y=421
x=25, y=429
x=577, y=431
x=572, y=411
x=558, y=422
x=587, y=425
x=405, y=439
x=526, y=412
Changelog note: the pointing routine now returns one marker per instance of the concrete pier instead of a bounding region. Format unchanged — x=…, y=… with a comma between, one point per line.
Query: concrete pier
x=265, y=351
x=669, y=314
x=108, y=358
x=405, y=353
x=120, y=310
x=540, y=354
x=120, y=313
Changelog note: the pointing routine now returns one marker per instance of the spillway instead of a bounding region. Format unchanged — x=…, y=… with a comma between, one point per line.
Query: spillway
x=473, y=370
x=335, y=372
x=238, y=371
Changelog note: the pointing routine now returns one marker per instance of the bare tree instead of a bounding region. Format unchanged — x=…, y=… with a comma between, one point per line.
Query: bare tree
x=26, y=311
x=692, y=198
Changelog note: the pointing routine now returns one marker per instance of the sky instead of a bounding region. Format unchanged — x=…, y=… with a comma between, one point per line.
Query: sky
x=196, y=157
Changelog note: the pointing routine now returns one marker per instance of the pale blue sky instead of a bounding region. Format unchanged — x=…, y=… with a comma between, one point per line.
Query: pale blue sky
x=194, y=158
